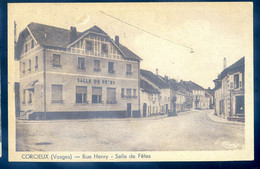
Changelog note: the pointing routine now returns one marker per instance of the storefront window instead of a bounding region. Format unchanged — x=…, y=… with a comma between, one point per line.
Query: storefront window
x=56, y=60
x=97, y=66
x=111, y=67
x=96, y=95
x=57, y=94
x=128, y=69
x=81, y=94
x=81, y=63
x=111, y=96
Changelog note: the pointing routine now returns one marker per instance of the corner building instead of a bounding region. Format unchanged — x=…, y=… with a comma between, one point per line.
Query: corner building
x=68, y=74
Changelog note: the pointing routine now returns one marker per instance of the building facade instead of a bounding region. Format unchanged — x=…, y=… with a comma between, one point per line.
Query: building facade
x=69, y=74
x=155, y=95
x=229, y=92
x=201, y=98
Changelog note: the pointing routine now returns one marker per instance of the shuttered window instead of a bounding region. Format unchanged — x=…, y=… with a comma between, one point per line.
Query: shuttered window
x=57, y=93
x=111, y=95
x=81, y=94
x=96, y=94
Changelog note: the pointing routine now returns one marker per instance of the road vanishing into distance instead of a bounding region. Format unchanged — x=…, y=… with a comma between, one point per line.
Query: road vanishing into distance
x=189, y=131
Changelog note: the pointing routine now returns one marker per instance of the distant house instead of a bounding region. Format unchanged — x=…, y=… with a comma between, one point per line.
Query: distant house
x=229, y=92
x=154, y=94
x=182, y=94
x=201, y=98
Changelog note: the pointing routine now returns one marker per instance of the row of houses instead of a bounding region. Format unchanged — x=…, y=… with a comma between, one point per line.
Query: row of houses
x=70, y=74
x=229, y=91
x=163, y=95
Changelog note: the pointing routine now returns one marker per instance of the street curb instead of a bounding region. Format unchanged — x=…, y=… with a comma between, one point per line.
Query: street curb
x=217, y=119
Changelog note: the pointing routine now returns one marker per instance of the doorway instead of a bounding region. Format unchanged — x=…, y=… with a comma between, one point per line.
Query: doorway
x=144, y=109
x=129, y=109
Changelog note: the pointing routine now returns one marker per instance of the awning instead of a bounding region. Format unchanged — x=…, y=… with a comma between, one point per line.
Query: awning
x=30, y=86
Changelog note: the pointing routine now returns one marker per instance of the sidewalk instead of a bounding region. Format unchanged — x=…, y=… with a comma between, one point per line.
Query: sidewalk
x=218, y=119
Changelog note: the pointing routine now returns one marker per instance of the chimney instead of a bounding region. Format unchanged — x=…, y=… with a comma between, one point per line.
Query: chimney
x=73, y=34
x=224, y=63
x=117, y=39
x=157, y=71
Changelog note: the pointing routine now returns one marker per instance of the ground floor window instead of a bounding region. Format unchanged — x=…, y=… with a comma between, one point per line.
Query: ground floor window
x=96, y=94
x=57, y=94
x=81, y=94
x=111, y=95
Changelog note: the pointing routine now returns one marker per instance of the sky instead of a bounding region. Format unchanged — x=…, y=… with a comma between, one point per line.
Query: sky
x=212, y=30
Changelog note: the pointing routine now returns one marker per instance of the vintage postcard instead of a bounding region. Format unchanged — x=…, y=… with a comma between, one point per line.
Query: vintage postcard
x=112, y=82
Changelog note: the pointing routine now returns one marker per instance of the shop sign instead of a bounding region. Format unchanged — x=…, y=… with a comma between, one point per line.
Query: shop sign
x=95, y=81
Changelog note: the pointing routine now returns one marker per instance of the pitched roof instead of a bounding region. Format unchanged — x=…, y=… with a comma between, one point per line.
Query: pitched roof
x=59, y=37
x=50, y=35
x=238, y=66
x=146, y=87
x=154, y=79
x=191, y=85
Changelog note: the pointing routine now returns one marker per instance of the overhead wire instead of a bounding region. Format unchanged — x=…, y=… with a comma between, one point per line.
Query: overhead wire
x=191, y=50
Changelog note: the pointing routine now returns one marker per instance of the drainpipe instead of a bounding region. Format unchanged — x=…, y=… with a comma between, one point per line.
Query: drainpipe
x=44, y=81
x=139, y=89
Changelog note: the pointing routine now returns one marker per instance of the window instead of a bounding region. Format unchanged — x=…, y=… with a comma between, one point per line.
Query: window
x=57, y=94
x=56, y=60
x=30, y=65
x=111, y=67
x=111, y=96
x=81, y=94
x=26, y=48
x=23, y=67
x=32, y=44
x=81, y=63
x=236, y=81
x=122, y=92
x=128, y=93
x=30, y=97
x=24, y=92
x=134, y=93
x=89, y=45
x=97, y=66
x=96, y=94
x=104, y=48
x=128, y=69
x=36, y=62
